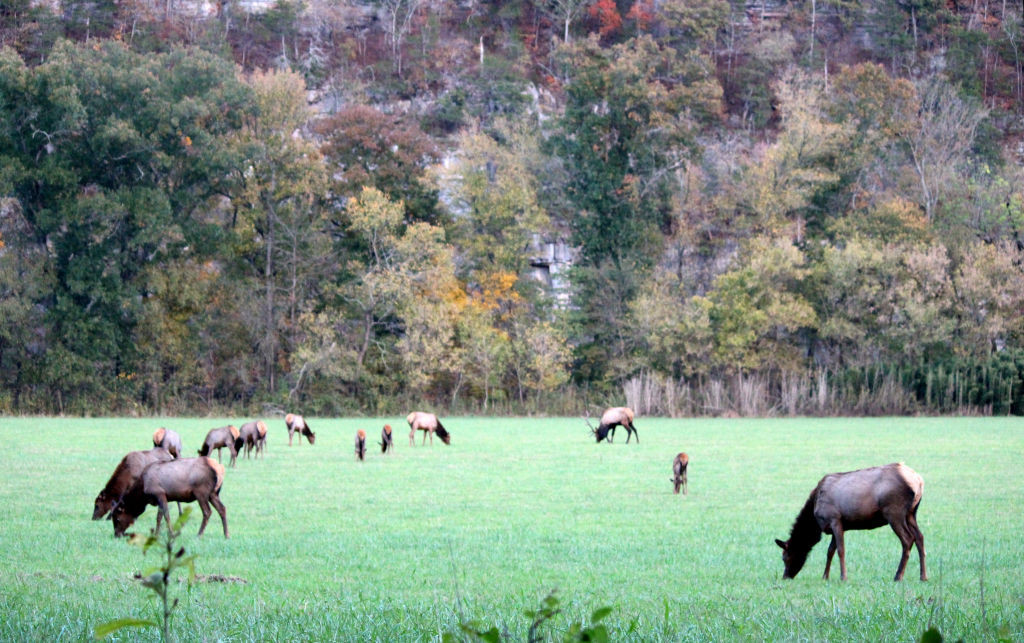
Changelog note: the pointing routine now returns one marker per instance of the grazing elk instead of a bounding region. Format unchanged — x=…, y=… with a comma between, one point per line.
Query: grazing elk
x=226, y=436
x=613, y=417
x=862, y=499
x=251, y=434
x=679, y=472
x=124, y=476
x=360, y=445
x=261, y=440
x=187, y=480
x=386, y=441
x=169, y=440
x=298, y=423
x=429, y=424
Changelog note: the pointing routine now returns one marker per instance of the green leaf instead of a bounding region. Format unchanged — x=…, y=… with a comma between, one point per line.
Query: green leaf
x=596, y=634
x=182, y=519
x=104, y=630
x=144, y=542
x=154, y=581
x=931, y=635
x=600, y=613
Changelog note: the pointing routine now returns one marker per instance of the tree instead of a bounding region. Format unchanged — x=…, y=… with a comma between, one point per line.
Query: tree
x=781, y=186
x=363, y=147
x=670, y=332
x=493, y=194
x=564, y=12
x=940, y=142
x=884, y=303
x=399, y=15
x=989, y=297
x=629, y=123
x=272, y=196
x=757, y=309
x=114, y=160
x=392, y=314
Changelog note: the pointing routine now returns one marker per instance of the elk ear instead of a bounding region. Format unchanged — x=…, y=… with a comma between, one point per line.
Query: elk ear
x=782, y=544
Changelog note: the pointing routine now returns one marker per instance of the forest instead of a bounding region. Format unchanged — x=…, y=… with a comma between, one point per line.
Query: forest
x=348, y=207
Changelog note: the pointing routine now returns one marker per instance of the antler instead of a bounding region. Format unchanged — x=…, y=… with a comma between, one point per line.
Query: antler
x=586, y=418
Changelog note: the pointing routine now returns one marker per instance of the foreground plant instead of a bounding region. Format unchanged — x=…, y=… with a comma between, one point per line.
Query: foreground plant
x=158, y=578
x=548, y=610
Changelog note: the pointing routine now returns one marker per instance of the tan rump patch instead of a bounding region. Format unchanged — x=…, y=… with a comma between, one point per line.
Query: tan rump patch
x=218, y=468
x=412, y=416
x=361, y=433
x=913, y=480
x=261, y=428
x=234, y=431
x=288, y=419
x=387, y=429
x=158, y=436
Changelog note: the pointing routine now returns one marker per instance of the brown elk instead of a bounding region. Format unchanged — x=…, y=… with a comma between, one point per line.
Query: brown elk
x=251, y=434
x=169, y=440
x=679, y=472
x=862, y=499
x=429, y=424
x=298, y=423
x=226, y=436
x=360, y=445
x=611, y=418
x=187, y=480
x=261, y=440
x=124, y=476
x=386, y=441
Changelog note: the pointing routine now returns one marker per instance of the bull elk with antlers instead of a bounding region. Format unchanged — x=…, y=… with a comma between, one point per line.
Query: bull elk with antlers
x=611, y=418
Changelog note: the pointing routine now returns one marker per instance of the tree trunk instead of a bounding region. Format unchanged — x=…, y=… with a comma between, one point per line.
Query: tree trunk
x=269, y=337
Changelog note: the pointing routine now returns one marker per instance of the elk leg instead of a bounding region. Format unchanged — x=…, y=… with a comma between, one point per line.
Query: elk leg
x=204, y=506
x=828, y=559
x=837, y=535
x=162, y=512
x=918, y=541
x=684, y=476
x=222, y=510
x=903, y=532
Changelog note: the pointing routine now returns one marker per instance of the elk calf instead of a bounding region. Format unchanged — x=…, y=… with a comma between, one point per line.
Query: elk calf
x=168, y=439
x=298, y=423
x=679, y=472
x=386, y=442
x=185, y=480
x=360, y=445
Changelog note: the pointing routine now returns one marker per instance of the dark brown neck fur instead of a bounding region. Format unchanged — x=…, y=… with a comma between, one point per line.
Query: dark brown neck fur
x=804, y=535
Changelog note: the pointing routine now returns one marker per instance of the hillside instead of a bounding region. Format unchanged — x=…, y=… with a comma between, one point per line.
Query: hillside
x=693, y=207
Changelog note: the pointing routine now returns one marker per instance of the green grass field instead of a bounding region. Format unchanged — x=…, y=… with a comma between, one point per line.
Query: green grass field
x=406, y=547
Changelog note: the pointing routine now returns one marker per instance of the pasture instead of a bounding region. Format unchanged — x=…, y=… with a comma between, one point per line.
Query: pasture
x=406, y=546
